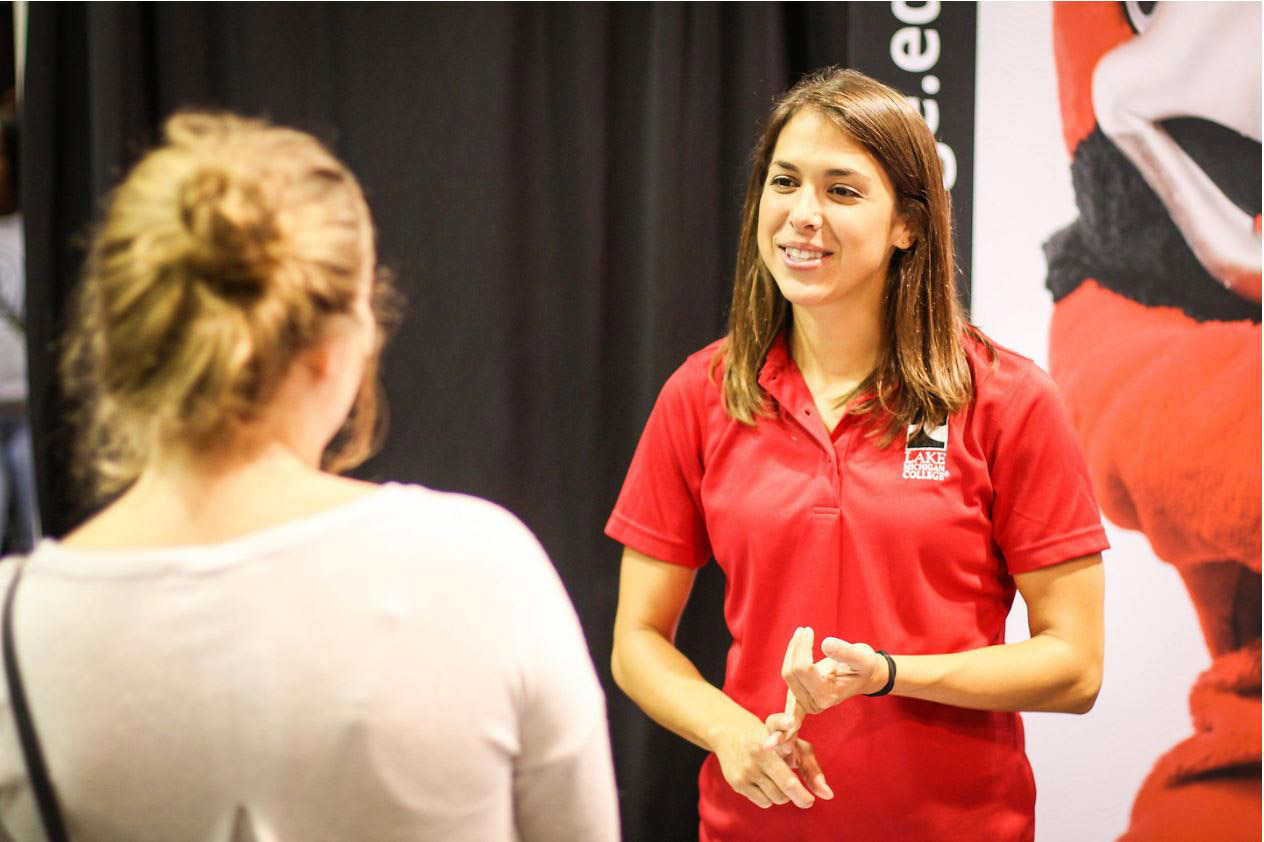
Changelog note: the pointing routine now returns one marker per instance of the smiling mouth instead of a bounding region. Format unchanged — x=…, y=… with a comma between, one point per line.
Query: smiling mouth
x=802, y=255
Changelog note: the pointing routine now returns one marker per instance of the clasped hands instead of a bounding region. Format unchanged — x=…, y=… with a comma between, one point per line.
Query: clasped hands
x=763, y=772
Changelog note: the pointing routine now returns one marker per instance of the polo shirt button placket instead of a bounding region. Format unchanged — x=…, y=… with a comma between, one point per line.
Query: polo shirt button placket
x=807, y=425
x=825, y=440
x=836, y=462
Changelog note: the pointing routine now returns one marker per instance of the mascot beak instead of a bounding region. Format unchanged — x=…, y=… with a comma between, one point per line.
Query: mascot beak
x=1200, y=153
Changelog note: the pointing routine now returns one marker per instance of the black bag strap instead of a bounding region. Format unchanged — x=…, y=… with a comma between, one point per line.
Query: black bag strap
x=37, y=771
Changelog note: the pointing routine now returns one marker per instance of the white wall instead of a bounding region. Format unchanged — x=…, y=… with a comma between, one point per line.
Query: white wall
x=1087, y=768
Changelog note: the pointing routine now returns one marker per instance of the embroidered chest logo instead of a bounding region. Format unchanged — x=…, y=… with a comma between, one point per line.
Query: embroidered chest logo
x=926, y=454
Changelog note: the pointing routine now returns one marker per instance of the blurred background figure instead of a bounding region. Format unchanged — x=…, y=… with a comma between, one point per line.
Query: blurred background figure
x=19, y=516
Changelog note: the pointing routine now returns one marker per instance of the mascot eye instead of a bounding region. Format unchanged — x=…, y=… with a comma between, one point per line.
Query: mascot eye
x=1140, y=14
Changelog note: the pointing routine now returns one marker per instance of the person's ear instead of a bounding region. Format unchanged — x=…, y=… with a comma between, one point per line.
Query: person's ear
x=902, y=236
x=321, y=360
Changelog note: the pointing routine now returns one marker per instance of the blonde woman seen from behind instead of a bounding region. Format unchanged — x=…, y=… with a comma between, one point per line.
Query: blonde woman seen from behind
x=245, y=645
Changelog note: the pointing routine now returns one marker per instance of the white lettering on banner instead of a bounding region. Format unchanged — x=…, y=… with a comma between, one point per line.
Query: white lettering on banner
x=929, y=109
x=948, y=160
x=910, y=54
x=906, y=12
x=917, y=50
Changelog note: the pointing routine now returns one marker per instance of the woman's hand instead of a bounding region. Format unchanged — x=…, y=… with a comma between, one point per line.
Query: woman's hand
x=667, y=686
x=760, y=772
x=849, y=669
x=783, y=731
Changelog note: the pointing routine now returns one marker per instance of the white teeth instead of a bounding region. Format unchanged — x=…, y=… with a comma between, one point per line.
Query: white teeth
x=801, y=254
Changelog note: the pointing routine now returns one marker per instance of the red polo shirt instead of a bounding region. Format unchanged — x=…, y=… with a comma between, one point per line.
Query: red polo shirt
x=911, y=548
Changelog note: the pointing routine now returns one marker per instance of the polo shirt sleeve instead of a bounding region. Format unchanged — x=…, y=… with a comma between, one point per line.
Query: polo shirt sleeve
x=659, y=511
x=1043, y=508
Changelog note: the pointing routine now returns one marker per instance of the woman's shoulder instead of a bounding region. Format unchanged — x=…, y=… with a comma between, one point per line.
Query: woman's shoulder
x=454, y=545
x=1006, y=383
x=699, y=377
x=707, y=353
x=450, y=515
x=702, y=366
x=449, y=530
x=1001, y=373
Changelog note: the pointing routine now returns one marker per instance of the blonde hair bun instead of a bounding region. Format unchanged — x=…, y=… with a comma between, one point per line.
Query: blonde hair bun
x=221, y=256
x=232, y=233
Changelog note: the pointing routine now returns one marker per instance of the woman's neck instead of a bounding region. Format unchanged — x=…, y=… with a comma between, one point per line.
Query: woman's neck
x=180, y=474
x=185, y=498
x=835, y=350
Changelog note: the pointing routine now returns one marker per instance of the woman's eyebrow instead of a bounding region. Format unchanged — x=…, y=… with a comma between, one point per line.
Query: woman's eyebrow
x=831, y=173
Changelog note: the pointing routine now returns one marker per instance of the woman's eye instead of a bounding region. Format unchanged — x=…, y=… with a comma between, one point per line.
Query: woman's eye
x=843, y=192
x=783, y=181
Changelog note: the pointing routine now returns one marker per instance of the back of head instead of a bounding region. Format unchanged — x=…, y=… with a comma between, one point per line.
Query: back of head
x=224, y=254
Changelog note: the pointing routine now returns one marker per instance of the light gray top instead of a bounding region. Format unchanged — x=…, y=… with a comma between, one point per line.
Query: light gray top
x=13, y=387
x=406, y=666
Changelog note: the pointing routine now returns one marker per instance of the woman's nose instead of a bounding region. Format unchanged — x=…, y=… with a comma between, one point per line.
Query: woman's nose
x=806, y=213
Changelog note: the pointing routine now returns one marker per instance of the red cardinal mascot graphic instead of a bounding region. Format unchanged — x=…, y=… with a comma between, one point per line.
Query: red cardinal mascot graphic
x=1155, y=342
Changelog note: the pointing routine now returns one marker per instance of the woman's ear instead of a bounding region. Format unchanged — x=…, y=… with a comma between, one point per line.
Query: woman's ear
x=321, y=360
x=902, y=236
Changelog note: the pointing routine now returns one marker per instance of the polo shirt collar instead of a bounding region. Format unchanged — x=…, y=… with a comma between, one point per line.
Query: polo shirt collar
x=781, y=379
x=777, y=364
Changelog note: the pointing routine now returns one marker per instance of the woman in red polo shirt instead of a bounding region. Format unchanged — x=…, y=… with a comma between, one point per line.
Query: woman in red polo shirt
x=862, y=464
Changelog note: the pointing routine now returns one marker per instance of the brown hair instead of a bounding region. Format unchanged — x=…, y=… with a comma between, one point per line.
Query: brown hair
x=225, y=253
x=921, y=375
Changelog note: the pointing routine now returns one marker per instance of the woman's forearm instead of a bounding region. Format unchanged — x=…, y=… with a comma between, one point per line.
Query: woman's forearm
x=669, y=688
x=1058, y=669
x=1043, y=673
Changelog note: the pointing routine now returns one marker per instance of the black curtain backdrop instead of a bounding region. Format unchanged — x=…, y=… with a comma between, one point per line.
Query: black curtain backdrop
x=557, y=190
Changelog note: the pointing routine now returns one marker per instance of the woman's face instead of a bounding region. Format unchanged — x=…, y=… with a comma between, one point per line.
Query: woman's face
x=827, y=221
